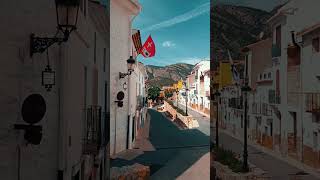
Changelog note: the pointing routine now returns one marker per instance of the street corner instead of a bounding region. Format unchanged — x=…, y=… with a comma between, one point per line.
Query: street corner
x=199, y=169
x=195, y=123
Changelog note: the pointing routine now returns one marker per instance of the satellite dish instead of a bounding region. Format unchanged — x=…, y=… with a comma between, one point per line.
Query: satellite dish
x=33, y=108
x=120, y=95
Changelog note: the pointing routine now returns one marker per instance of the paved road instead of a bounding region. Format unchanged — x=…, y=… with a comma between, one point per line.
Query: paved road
x=176, y=150
x=278, y=169
x=204, y=122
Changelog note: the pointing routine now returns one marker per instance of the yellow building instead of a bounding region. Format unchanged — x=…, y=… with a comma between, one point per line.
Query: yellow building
x=223, y=76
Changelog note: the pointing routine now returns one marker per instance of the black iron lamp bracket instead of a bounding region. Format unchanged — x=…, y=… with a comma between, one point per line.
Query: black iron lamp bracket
x=123, y=75
x=40, y=44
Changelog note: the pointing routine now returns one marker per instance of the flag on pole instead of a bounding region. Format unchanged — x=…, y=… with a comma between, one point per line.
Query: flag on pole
x=148, y=49
x=235, y=74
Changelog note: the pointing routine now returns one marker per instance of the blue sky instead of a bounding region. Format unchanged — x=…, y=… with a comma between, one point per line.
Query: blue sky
x=180, y=30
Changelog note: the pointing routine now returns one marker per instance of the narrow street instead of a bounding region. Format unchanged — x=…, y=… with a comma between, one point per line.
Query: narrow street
x=203, y=121
x=279, y=170
x=176, y=149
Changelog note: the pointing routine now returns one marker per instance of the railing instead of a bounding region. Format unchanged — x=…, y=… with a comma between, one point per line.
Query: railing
x=313, y=102
x=92, y=137
x=273, y=97
x=275, y=51
x=236, y=103
x=261, y=108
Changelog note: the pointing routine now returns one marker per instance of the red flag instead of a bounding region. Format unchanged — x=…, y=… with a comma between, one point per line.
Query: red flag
x=148, y=49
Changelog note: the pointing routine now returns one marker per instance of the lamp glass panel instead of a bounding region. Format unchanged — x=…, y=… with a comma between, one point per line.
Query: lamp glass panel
x=48, y=78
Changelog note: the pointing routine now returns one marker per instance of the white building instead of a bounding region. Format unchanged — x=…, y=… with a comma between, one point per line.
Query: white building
x=122, y=14
x=198, y=83
x=299, y=132
x=66, y=150
x=285, y=102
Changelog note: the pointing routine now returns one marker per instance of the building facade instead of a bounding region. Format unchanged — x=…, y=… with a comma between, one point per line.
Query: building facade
x=122, y=14
x=66, y=150
x=283, y=106
x=198, y=85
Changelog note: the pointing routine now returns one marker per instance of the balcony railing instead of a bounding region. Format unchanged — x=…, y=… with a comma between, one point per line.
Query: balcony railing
x=275, y=51
x=273, y=97
x=236, y=103
x=259, y=108
x=313, y=102
x=92, y=137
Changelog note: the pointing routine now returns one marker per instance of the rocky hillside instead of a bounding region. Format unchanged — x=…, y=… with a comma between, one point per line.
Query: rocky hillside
x=167, y=75
x=233, y=27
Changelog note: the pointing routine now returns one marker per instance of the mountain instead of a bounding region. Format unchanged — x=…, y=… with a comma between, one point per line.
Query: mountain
x=167, y=75
x=233, y=27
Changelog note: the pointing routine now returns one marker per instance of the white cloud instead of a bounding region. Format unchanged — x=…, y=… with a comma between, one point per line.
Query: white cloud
x=168, y=44
x=181, y=18
x=191, y=60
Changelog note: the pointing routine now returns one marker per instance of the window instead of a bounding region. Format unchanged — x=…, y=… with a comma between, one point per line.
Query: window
x=266, y=130
x=264, y=76
x=260, y=76
x=278, y=36
x=269, y=75
x=315, y=140
x=315, y=45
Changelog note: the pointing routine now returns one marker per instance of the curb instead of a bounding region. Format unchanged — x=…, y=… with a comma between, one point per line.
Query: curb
x=288, y=160
x=204, y=114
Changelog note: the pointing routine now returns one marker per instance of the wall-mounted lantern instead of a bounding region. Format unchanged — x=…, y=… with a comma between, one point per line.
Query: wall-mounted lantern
x=131, y=63
x=48, y=78
x=125, y=86
x=67, y=17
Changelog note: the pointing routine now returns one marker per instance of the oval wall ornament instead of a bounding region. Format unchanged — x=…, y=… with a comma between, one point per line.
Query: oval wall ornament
x=33, y=108
x=120, y=95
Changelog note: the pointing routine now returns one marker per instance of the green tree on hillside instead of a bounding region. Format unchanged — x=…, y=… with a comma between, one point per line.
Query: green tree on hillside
x=153, y=92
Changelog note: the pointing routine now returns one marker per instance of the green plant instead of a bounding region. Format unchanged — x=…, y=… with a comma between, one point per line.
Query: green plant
x=153, y=92
x=228, y=158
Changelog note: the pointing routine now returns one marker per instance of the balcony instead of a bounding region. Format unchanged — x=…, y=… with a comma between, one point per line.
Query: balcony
x=236, y=103
x=92, y=134
x=313, y=102
x=275, y=51
x=273, y=97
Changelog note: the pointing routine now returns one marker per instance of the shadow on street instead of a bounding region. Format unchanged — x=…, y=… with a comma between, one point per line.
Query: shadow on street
x=176, y=149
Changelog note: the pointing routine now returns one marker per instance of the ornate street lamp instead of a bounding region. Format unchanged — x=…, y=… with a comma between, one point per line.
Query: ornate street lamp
x=245, y=89
x=131, y=63
x=67, y=17
x=187, y=101
x=216, y=96
x=177, y=91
